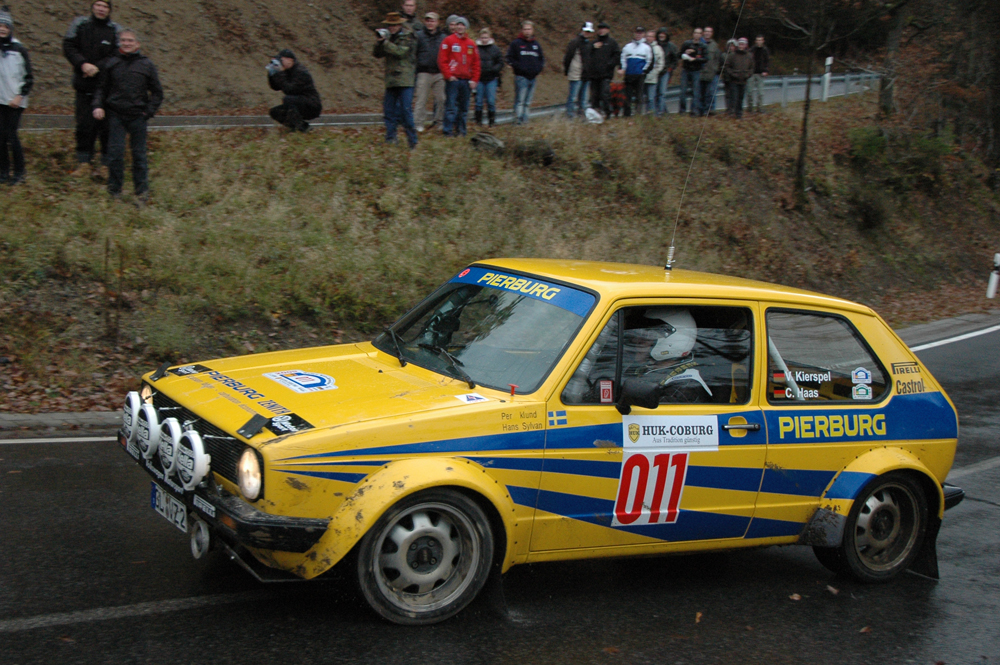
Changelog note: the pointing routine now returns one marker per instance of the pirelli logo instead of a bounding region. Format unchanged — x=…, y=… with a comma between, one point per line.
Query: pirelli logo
x=905, y=368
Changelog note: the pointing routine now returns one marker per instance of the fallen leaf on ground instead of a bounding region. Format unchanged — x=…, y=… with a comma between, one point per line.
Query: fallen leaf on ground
x=611, y=650
x=832, y=590
x=866, y=629
x=697, y=617
x=795, y=596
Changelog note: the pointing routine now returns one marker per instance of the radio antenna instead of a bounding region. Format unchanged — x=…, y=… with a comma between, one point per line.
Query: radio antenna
x=701, y=134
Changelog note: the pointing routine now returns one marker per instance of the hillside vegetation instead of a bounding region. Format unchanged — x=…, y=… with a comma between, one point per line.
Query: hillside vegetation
x=259, y=240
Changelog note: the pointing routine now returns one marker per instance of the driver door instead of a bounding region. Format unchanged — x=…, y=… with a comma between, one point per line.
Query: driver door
x=683, y=471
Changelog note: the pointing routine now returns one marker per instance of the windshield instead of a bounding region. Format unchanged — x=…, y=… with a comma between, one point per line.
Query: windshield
x=491, y=328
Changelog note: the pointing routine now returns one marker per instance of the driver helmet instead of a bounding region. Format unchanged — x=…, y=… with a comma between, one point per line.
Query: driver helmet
x=677, y=335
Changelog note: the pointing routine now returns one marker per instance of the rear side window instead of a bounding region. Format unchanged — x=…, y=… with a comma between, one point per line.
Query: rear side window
x=819, y=358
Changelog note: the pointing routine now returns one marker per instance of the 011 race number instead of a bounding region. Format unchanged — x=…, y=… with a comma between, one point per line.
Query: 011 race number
x=650, y=488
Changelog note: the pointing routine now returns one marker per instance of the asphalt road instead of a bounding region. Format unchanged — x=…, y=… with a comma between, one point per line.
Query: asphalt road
x=89, y=574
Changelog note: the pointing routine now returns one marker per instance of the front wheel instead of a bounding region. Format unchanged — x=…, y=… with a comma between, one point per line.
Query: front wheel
x=426, y=558
x=885, y=529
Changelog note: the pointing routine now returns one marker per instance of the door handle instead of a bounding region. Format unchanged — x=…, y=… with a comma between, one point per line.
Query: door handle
x=751, y=427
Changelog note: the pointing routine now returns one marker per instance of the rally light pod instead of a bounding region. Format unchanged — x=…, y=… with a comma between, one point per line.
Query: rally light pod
x=170, y=437
x=129, y=413
x=192, y=463
x=147, y=434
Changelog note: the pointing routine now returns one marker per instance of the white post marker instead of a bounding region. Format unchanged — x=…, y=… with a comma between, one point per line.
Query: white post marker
x=991, y=287
x=826, y=79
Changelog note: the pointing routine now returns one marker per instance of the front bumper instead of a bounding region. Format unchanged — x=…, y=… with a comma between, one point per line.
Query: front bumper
x=232, y=519
x=952, y=495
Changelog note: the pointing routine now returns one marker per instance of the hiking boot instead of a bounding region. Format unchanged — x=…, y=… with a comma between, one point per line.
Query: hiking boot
x=479, y=116
x=492, y=117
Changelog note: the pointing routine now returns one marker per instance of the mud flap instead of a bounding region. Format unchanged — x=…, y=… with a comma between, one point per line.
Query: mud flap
x=926, y=563
x=491, y=599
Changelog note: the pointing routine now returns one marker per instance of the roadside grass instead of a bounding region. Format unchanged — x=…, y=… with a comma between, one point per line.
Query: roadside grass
x=258, y=240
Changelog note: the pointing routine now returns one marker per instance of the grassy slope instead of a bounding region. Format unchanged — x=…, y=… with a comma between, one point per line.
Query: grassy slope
x=259, y=240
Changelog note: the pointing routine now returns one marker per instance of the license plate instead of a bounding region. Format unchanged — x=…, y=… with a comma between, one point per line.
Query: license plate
x=173, y=510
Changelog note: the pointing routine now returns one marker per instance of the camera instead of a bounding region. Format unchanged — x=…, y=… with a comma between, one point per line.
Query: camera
x=382, y=33
x=273, y=67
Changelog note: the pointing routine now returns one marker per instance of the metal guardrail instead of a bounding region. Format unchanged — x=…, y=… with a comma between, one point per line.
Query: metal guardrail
x=777, y=90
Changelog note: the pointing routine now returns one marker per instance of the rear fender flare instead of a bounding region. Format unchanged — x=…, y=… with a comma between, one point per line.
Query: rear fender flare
x=395, y=481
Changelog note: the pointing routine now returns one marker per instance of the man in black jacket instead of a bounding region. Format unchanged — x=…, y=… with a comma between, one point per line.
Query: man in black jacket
x=429, y=77
x=128, y=94
x=600, y=62
x=301, y=101
x=89, y=44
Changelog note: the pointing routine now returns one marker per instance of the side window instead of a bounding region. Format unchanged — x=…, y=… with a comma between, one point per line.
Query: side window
x=694, y=354
x=814, y=357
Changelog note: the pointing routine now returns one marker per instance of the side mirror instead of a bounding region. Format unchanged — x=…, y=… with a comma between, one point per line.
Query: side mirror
x=637, y=392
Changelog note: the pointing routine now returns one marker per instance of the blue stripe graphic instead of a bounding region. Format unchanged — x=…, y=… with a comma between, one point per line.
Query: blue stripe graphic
x=848, y=484
x=795, y=481
x=765, y=528
x=523, y=496
x=560, y=295
x=534, y=440
x=328, y=475
x=723, y=478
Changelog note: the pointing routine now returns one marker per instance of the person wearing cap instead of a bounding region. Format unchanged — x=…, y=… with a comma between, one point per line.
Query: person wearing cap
x=736, y=71
x=128, y=94
x=490, y=67
x=653, y=75
x=458, y=60
x=301, y=101
x=429, y=78
x=671, y=56
x=89, y=44
x=573, y=68
x=16, y=81
x=525, y=57
x=692, y=60
x=636, y=61
x=397, y=45
x=599, y=68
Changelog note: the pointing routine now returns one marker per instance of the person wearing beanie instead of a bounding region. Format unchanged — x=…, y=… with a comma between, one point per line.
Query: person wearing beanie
x=301, y=101
x=397, y=45
x=15, y=83
x=574, y=68
x=525, y=57
x=128, y=95
x=491, y=66
x=458, y=60
x=90, y=43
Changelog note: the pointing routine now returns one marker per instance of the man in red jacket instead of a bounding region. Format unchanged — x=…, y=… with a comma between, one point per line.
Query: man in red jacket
x=458, y=61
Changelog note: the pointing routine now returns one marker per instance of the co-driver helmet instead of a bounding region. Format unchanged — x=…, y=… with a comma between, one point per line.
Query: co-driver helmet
x=677, y=335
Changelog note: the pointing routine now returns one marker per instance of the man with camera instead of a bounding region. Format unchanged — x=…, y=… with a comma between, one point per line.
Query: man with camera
x=301, y=101
x=397, y=45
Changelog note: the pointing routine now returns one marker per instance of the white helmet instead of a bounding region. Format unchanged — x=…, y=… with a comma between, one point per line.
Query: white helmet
x=678, y=336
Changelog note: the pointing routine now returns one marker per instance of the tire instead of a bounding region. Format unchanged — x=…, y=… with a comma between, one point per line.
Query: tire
x=885, y=529
x=832, y=558
x=426, y=558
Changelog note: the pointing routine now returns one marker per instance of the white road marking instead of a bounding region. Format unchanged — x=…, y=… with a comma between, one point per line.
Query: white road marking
x=82, y=439
x=128, y=611
x=985, y=465
x=952, y=340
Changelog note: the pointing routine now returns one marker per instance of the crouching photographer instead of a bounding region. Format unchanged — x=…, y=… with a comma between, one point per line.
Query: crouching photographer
x=301, y=101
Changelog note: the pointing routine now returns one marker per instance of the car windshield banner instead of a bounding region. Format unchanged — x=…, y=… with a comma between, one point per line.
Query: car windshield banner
x=564, y=297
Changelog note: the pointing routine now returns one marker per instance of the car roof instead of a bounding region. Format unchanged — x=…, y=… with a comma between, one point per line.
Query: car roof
x=616, y=280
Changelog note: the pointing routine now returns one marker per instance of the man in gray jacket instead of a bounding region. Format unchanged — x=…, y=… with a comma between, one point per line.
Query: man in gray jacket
x=429, y=77
x=710, y=72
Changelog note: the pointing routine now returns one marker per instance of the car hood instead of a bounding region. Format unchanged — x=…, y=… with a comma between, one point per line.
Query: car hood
x=323, y=386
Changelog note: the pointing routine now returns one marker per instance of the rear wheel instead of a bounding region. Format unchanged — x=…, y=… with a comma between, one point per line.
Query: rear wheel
x=885, y=529
x=426, y=558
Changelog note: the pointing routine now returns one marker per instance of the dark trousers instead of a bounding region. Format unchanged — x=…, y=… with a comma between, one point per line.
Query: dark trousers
x=135, y=128
x=457, y=95
x=89, y=129
x=633, y=92
x=734, y=98
x=10, y=119
x=397, y=108
x=295, y=110
x=600, y=96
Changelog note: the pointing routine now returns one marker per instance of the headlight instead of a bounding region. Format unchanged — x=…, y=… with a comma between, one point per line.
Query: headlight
x=248, y=475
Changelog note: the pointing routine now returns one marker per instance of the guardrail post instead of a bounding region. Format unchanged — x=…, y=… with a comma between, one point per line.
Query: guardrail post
x=847, y=84
x=826, y=79
x=784, y=92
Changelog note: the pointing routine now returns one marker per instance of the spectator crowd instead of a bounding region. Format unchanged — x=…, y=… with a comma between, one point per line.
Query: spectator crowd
x=432, y=71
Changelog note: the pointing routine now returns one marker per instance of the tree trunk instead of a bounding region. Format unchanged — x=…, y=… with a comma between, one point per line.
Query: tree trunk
x=800, y=163
x=887, y=85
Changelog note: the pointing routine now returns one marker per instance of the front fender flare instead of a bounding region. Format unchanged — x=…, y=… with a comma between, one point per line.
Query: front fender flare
x=376, y=493
x=826, y=527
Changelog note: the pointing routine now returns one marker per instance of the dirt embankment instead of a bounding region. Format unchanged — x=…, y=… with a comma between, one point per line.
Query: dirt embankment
x=211, y=53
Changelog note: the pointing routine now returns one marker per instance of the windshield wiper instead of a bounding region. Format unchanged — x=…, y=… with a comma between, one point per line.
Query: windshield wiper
x=395, y=342
x=456, y=364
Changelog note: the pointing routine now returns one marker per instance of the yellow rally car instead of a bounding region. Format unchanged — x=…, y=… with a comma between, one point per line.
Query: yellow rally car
x=533, y=410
